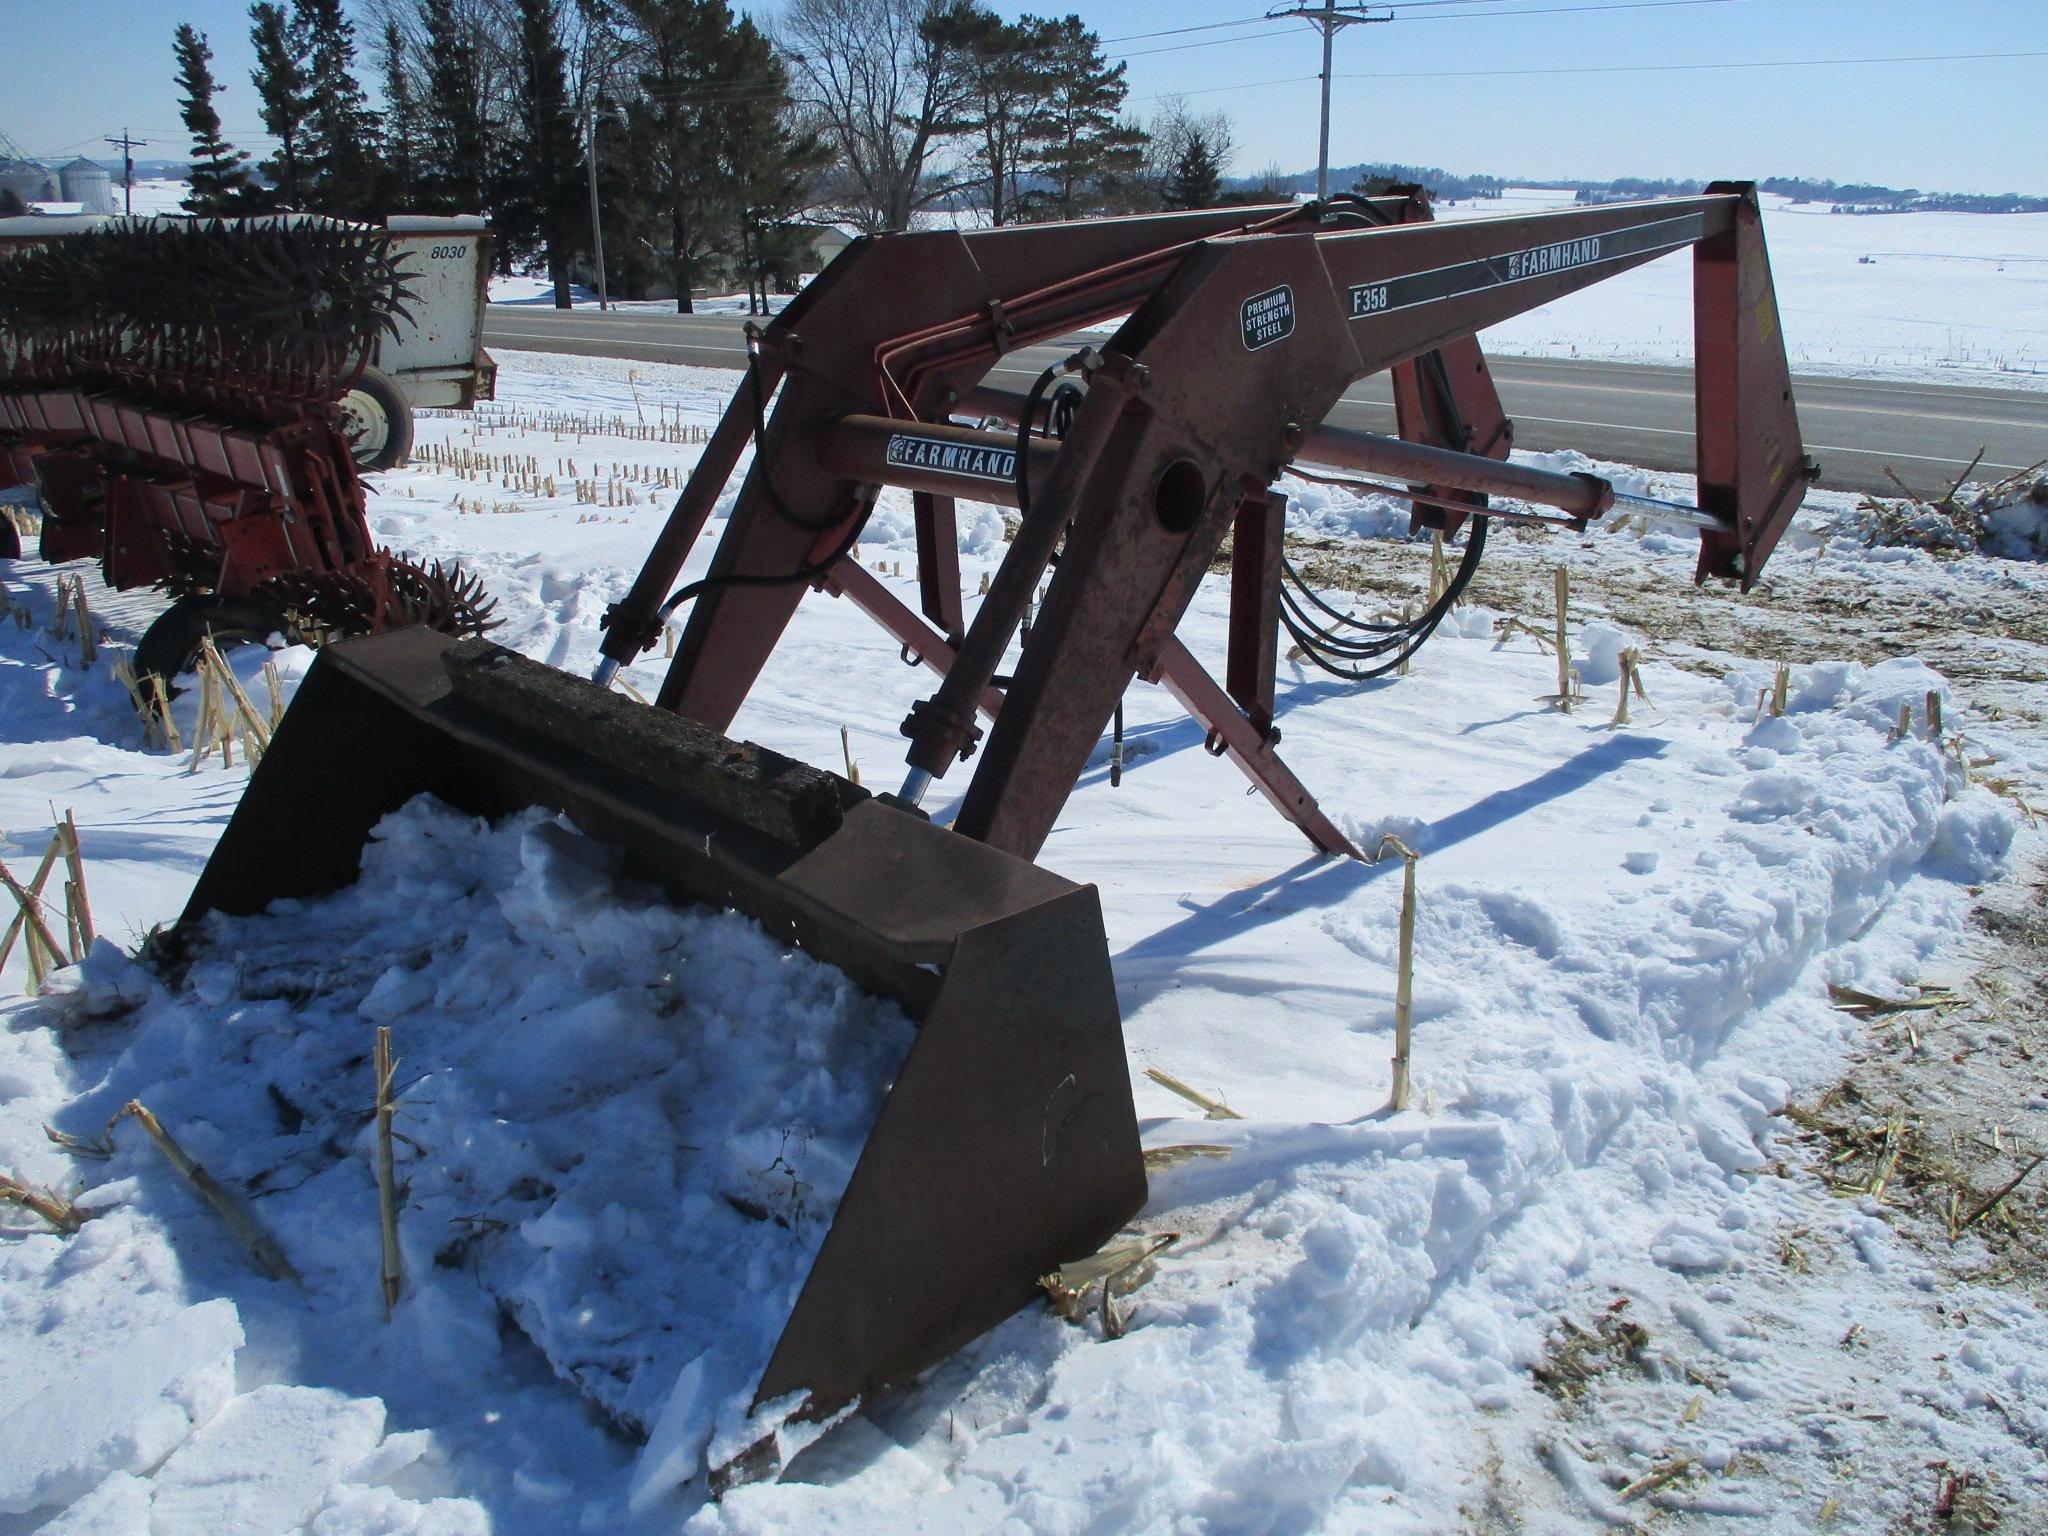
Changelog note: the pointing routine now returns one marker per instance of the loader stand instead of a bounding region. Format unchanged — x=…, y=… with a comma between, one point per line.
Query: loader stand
x=1245, y=327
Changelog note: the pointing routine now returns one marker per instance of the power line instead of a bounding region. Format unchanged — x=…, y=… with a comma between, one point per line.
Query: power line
x=128, y=147
x=1633, y=69
x=1207, y=26
x=1399, y=11
x=1616, y=69
x=1553, y=10
x=1330, y=19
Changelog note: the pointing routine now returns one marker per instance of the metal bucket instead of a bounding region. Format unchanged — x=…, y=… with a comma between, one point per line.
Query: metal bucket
x=1008, y=1144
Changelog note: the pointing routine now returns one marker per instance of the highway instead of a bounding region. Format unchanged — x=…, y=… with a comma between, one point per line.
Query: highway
x=1634, y=413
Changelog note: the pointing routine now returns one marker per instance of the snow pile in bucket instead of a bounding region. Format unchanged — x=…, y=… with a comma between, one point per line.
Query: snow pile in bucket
x=630, y=1123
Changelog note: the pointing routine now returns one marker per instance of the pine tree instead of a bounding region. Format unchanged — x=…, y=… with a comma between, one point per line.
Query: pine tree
x=1084, y=153
x=458, y=172
x=1006, y=81
x=627, y=155
x=341, y=153
x=687, y=67
x=220, y=173
x=769, y=166
x=404, y=124
x=1196, y=180
x=540, y=174
x=280, y=78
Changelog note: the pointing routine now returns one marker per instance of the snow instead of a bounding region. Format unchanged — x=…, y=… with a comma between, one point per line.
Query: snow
x=536, y=290
x=1953, y=297
x=1625, y=941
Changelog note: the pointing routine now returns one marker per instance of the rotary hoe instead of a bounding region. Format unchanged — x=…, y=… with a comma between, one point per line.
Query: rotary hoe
x=170, y=388
x=1008, y=1144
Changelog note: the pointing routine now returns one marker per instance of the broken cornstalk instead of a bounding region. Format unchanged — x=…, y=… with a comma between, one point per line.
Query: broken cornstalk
x=1404, y=981
x=1119, y=1269
x=163, y=712
x=74, y=891
x=258, y=729
x=46, y=1203
x=259, y=1244
x=1998, y=1196
x=1631, y=678
x=392, y=1271
x=1564, y=645
x=88, y=633
x=1213, y=1109
x=44, y=952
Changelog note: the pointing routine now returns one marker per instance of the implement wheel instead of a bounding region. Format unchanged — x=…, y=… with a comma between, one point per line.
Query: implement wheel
x=170, y=646
x=376, y=421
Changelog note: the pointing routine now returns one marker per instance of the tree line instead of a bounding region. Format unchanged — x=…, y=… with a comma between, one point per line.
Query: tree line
x=716, y=148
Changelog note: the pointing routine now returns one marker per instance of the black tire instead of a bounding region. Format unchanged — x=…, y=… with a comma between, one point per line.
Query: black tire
x=376, y=420
x=170, y=646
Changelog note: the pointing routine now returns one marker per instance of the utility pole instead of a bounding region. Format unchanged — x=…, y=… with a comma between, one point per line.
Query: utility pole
x=1329, y=18
x=128, y=148
x=596, y=226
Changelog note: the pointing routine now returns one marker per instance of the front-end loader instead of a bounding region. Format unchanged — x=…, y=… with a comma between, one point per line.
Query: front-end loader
x=1009, y=1145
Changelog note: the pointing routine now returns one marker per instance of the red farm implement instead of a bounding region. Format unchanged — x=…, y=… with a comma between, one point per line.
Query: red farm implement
x=1245, y=327
x=170, y=389
x=1009, y=1144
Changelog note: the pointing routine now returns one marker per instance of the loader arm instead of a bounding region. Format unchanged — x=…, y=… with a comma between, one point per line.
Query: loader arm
x=1244, y=328
x=1301, y=317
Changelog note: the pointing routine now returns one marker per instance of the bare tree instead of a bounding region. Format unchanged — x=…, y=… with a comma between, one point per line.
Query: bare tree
x=1174, y=134
x=881, y=83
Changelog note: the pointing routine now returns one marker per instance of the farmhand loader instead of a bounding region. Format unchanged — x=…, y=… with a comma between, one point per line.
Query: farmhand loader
x=1009, y=1143
x=170, y=389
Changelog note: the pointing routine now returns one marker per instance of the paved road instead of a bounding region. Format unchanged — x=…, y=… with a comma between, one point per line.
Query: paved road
x=1631, y=412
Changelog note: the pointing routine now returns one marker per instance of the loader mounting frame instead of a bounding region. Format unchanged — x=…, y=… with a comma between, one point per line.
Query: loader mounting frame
x=1245, y=326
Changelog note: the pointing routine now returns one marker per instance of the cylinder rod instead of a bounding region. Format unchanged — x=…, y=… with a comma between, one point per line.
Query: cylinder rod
x=1581, y=497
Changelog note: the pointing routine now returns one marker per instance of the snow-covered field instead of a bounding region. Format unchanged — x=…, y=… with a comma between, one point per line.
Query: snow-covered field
x=1625, y=942
x=1948, y=296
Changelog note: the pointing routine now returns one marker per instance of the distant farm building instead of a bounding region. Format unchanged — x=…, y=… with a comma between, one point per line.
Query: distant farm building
x=89, y=184
x=829, y=241
x=31, y=181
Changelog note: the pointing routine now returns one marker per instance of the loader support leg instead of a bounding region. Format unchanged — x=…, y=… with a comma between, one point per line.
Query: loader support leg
x=938, y=562
x=1255, y=553
x=1092, y=636
x=1447, y=400
x=1752, y=470
x=1248, y=747
x=942, y=728
x=912, y=633
x=631, y=627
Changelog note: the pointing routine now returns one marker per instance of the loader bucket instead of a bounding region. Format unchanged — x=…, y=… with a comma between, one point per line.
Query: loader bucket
x=1007, y=1144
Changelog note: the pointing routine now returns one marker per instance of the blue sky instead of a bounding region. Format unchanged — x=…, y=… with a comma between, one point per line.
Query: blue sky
x=1529, y=87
